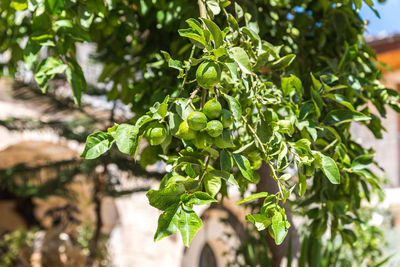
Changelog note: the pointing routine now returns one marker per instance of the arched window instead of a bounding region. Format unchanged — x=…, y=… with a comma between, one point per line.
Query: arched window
x=207, y=257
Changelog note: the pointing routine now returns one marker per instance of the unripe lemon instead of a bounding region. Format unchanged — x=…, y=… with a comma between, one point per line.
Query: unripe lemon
x=226, y=118
x=208, y=74
x=212, y=109
x=185, y=132
x=202, y=140
x=214, y=128
x=224, y=140
x=156, y=133
x=197, y=120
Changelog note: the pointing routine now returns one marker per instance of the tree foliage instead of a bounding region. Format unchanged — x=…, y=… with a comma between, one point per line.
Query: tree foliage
x=290, y=75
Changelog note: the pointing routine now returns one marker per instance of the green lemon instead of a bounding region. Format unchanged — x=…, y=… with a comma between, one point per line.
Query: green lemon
x=212, y=109
x=214, y=128
x=185, y=132
x=197, y=120
x=226, y=118
x=208, y=74
x=202, y=140
x=156, y=133
x=224, y=140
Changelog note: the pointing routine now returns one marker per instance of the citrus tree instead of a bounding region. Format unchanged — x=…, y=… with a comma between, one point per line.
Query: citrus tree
x=221, y=91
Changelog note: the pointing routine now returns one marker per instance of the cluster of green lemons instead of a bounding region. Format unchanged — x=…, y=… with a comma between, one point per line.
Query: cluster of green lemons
x=202, y=128
x=207, y=127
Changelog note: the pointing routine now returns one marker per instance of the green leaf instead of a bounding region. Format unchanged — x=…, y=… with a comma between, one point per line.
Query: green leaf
x=291, y=84
x=76, y=79
x=253, y=196
x=215, y=32
x=199, y=198
x=233, y=68
x=188, y=224
x=282, y=63
x=183, y=109
x=31, y=53
x=358, y=4
x=143, y=120
x=279, y=228
x=328, y=166
x=158, y=110
x=317, y=85
x=303, y=150
x=238, y=10
x=233, y=24
x=175, y=64
x=244, y=166
x=97, y=144
x=285, y=126
x=339, y=116
x=341, y=100
x=212, y=184
x=371, y=4
x=125, y=137
x=47, y=69
x=361, y=162
x=213, y=6
x=240, y=56
x=66, y=26
x=148, y=156
x=55, y=6
x=225, y=161
x=254, y=37
x=261, y=222
x=234, y=107
x=167, y=222
x=173, y=122
x=199, y=40
x=165, y=197
x=226, y=176
x=302, y=180
x=195, y=25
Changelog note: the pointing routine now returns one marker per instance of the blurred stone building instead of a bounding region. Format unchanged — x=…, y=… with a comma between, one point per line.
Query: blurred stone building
x=388, y=148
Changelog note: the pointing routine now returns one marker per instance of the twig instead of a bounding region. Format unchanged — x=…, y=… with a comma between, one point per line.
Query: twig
x=192, y=95
x=203, y=9
x=187, y=71
x=205, y=168
x=217, y=94
x=186, y=75
x=274, y=176
x=193, y=107
x=255, y=136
